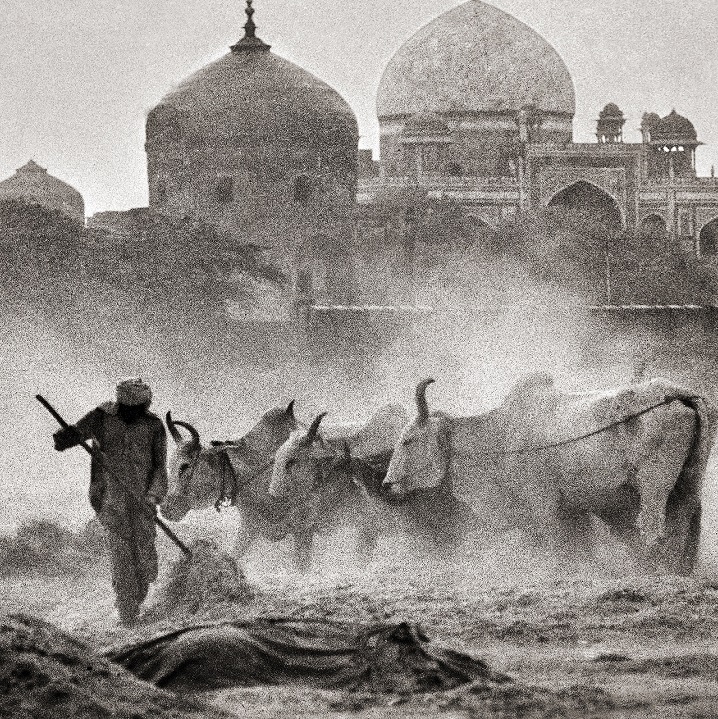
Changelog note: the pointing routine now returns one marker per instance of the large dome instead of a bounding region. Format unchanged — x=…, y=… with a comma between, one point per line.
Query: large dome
x=32, y=183
x=475, y=59
x=251, y=96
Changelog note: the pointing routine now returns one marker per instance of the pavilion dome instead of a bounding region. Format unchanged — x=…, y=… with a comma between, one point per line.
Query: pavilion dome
x=32, y=183
x=251, y=96
x=674, y=128
x=475, y=59
x=611, y=111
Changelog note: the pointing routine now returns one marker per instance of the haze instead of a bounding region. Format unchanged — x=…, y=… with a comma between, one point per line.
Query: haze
x=79, y=75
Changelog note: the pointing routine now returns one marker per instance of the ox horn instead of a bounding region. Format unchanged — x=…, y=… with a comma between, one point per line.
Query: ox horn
x=313, y=429
x=176, y=435
x=290, y=410
x=422, y=406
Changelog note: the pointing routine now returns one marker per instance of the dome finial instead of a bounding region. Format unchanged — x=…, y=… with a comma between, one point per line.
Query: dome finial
x=249, y=27
x=250, y=41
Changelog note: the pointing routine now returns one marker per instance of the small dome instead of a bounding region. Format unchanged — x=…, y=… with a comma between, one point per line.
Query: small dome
x=475, y=58
x=32, y=183
x=650, y=120
x=251, y=96
x=425, y=124
x=611, y=112
x=674, y=128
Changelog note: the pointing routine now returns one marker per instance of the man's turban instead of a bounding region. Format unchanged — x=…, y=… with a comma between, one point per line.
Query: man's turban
x=133, y=391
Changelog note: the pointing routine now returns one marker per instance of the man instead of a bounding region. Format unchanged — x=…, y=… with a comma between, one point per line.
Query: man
x=127, y=483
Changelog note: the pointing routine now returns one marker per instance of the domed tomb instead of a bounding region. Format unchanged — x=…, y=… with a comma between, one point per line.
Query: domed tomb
x=256, y=146
x=33, y=184
x=477, y=68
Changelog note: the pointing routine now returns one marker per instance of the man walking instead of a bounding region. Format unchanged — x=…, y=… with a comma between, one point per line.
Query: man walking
x=126, y=485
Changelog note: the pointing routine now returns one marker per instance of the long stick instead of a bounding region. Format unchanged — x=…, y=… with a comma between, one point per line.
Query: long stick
x=99, y=455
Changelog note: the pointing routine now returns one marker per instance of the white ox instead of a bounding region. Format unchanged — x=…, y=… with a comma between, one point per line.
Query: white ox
x=240, y=473
x=635, y=457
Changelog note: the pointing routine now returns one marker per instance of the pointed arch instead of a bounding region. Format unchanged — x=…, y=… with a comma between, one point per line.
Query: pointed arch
x=583, y=198
x=708, y=239
x=654, y=225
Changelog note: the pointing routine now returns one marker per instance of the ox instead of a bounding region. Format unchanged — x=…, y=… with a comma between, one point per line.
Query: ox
x=239, y=472
x=311, y=470
x=547, y=460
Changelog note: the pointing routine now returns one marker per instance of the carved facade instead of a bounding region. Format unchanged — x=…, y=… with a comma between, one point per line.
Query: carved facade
x=478, y=108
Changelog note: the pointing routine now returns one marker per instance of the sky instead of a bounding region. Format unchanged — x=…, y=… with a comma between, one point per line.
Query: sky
x=79, y=76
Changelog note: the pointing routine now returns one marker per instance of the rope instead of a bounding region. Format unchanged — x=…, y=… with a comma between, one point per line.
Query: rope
x=573, y=440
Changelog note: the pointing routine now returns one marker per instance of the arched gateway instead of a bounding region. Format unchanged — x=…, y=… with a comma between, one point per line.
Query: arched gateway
x=586, y=200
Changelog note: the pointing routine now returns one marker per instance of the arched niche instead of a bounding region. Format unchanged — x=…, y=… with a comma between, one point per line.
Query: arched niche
x=653, y=225
x=588, y=201
x=708, y=240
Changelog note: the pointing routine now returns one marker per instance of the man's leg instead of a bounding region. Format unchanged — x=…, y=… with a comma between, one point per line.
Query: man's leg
x=123, y=564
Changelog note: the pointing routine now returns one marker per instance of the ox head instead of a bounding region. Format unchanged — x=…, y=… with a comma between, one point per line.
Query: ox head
x=296, y=463
x=195, y=472
x=419, y=458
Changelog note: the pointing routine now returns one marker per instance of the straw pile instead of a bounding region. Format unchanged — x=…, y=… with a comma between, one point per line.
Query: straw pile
x=201, y=582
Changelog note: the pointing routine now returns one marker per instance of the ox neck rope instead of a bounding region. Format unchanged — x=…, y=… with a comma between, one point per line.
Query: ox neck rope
x=225, y=499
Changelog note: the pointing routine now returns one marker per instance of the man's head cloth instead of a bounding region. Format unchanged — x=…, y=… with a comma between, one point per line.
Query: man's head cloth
x=133, y=391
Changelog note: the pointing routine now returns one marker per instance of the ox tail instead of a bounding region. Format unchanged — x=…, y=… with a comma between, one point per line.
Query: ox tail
x=684, y=503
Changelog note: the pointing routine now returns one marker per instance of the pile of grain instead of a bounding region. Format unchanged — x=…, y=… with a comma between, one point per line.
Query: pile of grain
x=201, y=582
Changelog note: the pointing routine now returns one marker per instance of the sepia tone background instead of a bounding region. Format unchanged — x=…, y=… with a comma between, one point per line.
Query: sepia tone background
x=79, y=76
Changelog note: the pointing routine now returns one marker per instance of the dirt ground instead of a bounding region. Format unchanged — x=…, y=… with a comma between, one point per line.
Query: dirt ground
x=594, y=641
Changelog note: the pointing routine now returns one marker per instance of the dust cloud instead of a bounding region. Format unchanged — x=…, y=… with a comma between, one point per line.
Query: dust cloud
x=475, y=352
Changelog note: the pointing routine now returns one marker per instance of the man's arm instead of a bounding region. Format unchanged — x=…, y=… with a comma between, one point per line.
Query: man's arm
x=158, y=482
x=74, y=434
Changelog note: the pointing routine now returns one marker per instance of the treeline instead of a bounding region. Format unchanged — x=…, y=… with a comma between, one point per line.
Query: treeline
x=573, y=252
x=165, y=278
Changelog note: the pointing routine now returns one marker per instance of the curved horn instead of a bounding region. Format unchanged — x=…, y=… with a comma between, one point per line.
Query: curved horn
x=290, y=410
x=191, y=430
x=422, y=406
x=176, y=436
x=314, y=428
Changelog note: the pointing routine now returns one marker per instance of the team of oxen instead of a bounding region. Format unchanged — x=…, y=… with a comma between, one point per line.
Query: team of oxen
x=545, y=462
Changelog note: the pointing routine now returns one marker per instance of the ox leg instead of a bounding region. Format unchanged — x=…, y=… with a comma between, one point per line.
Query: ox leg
x=651, y=523
x=303, y=542
x=576, y=535
x=683, y=530
x=546, y=530
x=367, y=538
x=246, y=536
x=690, y=552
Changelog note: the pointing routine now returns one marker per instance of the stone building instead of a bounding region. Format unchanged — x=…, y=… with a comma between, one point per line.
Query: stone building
x=478, y=108
x=261, y=149
x=32, y=183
